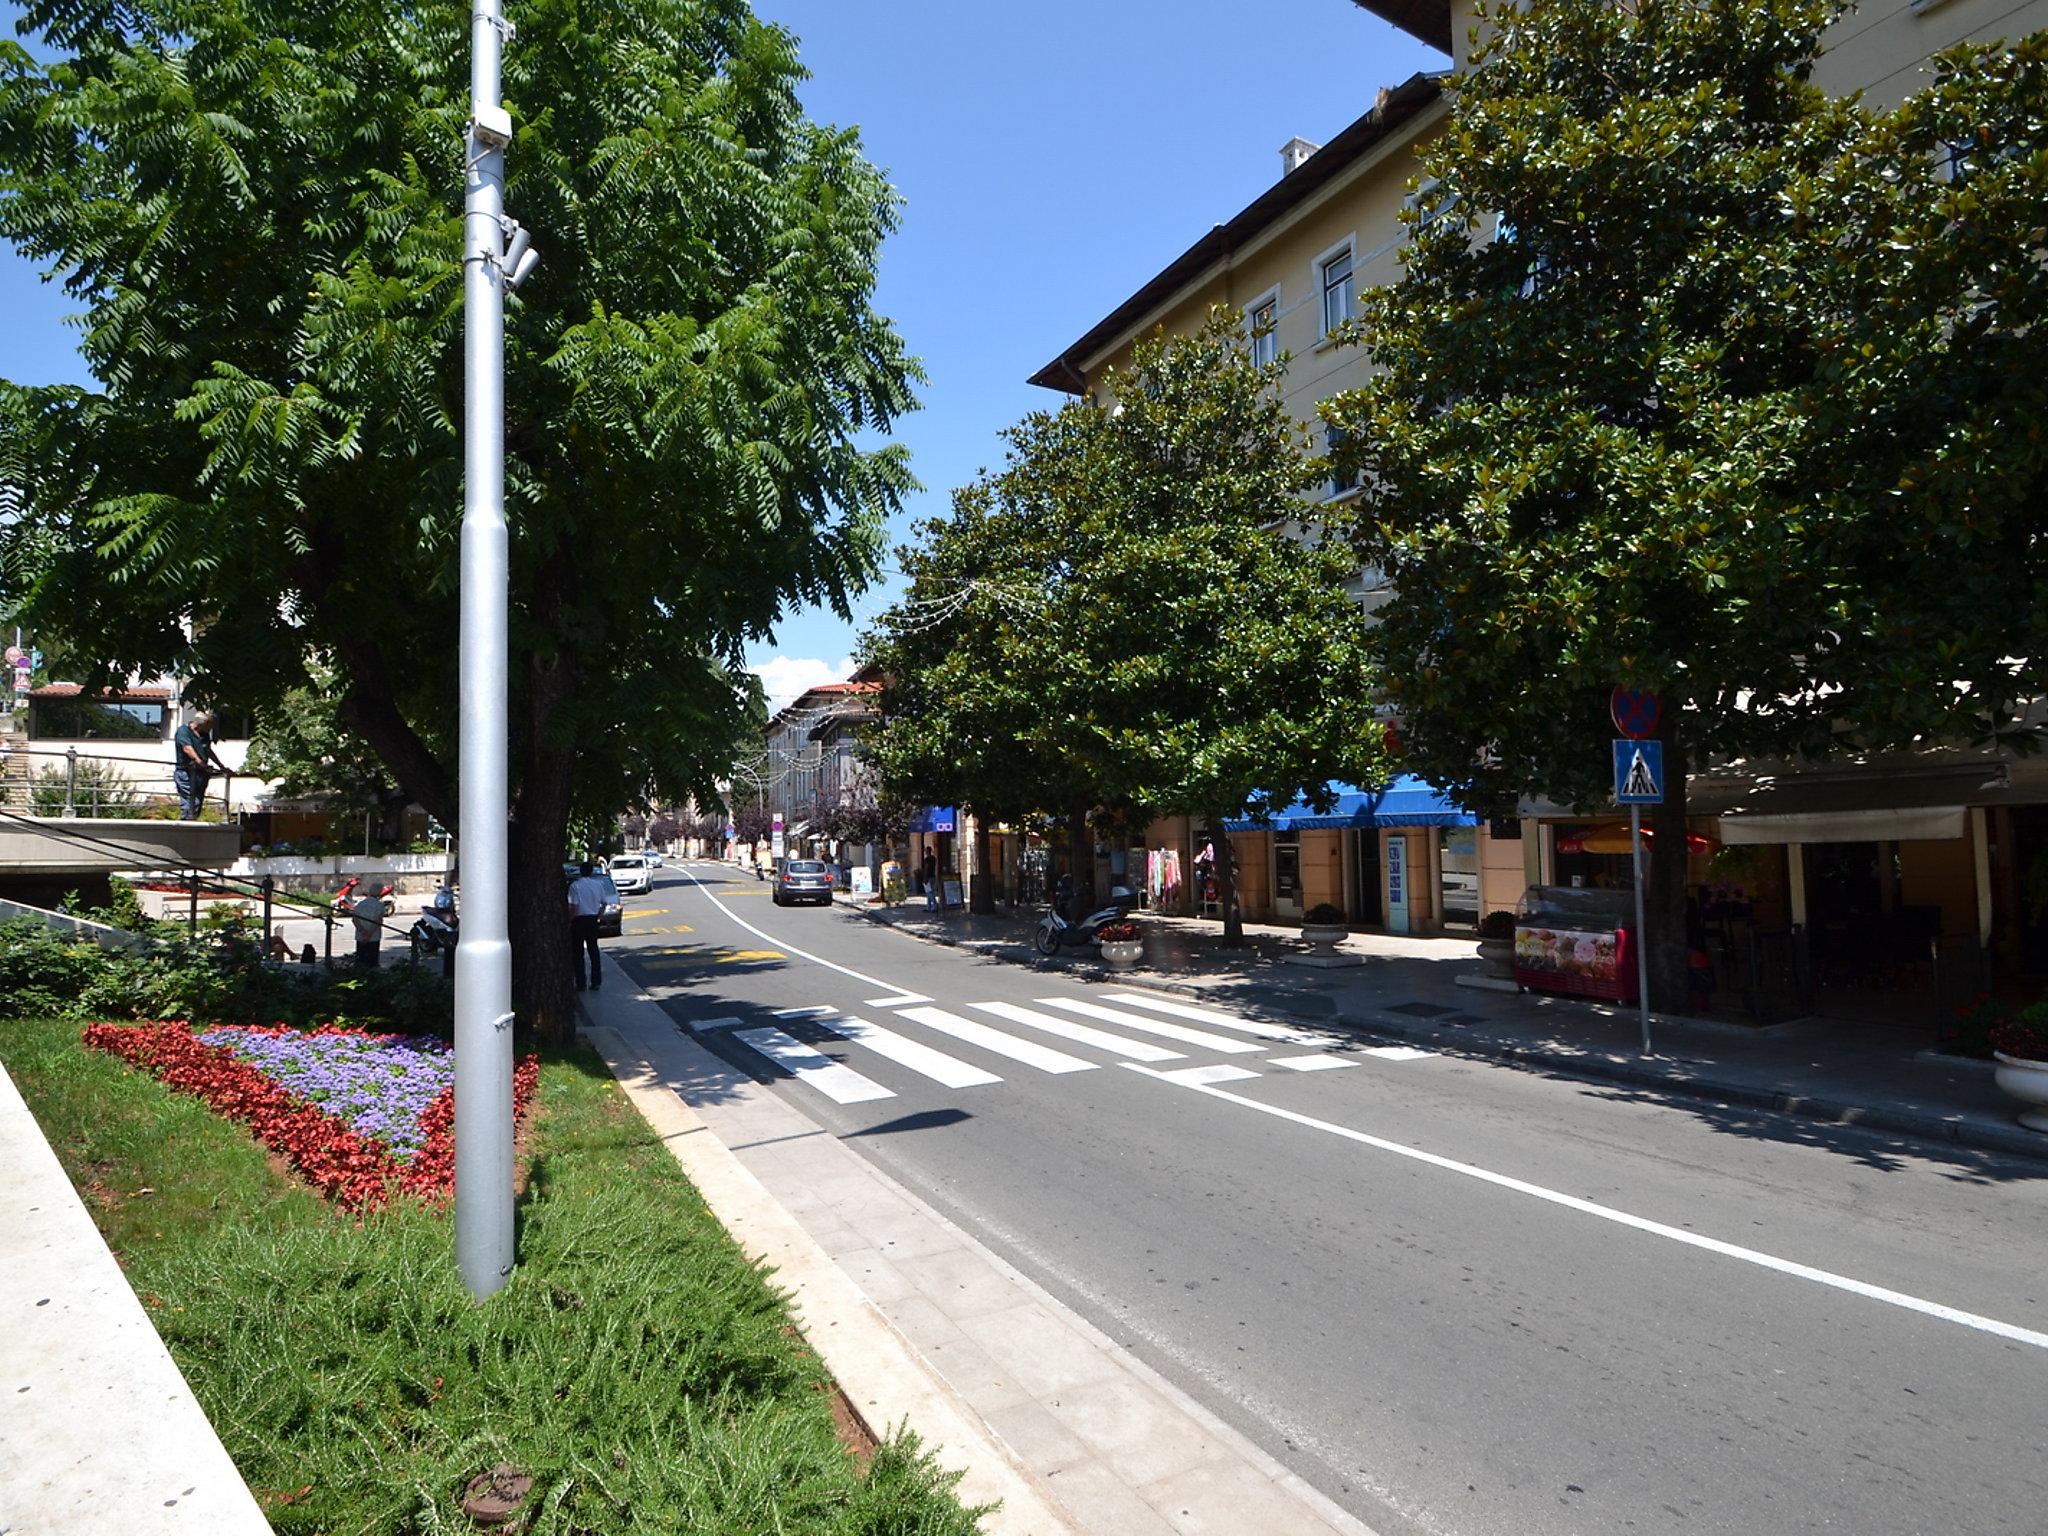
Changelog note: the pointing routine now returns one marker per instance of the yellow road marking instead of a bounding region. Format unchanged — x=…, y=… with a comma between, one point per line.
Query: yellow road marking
x=732, y=956
x=648, y=912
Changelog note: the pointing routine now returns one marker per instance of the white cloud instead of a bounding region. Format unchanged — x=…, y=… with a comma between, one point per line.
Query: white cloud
x=787, y=676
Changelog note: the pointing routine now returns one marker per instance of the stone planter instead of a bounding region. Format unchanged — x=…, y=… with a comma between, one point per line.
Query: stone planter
x=2026, y=1080
x=1122, y=954
x=1325, y=936
x=1499, y=955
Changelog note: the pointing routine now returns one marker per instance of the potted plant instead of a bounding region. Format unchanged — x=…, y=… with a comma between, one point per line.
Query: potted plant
x=1122, y=945
x=2020, y=1047
x=1323, y=926
x=1497, y=942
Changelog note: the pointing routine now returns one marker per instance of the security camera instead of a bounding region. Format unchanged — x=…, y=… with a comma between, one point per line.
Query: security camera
x=492, y=127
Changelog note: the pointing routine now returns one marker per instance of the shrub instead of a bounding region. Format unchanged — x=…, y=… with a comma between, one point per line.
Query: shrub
x=1118, y=933
x=1325, y=914
x=2025, y=1035
x=97, y=789
x=1497, y=925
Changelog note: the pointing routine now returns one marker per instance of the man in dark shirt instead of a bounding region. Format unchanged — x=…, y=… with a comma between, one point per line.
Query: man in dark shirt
x=193, y=761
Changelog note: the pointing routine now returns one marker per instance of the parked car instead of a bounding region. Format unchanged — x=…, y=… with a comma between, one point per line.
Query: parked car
x=798, y=880
x=632, y=874
x=611, y=921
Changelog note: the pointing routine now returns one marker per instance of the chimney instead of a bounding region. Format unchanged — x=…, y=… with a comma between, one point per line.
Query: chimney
x=1294, y=152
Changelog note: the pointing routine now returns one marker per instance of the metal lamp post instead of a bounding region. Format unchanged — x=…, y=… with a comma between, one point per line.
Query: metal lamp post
x=495, y=259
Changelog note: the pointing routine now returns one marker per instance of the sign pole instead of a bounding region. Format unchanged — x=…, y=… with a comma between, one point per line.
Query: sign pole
x=1635, y=844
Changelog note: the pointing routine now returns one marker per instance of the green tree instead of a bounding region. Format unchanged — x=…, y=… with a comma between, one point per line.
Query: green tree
x=257, y=205
x=1641, y=416
x=300, y=742
x=1140, y=612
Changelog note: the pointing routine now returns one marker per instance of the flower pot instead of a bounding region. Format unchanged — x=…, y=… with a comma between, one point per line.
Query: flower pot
x=1324, y=935
x=2025, y=1079
x=1499, y=955
x=1122, y=954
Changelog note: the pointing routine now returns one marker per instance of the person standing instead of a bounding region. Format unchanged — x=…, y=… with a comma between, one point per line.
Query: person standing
x=193, y=761
x=931, y=880
x=368, y=914
x=586, y=906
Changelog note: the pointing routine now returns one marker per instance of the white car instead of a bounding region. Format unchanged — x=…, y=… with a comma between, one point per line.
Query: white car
x=632, y=874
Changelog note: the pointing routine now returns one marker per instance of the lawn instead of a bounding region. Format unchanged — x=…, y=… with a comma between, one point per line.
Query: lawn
x=637, y=1365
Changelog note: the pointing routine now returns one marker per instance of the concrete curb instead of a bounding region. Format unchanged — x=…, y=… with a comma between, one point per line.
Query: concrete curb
x=878, y=1369
x=2014, y=1141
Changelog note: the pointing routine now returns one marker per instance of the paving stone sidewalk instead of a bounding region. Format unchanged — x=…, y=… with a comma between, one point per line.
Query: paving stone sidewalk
x=1882, y=1078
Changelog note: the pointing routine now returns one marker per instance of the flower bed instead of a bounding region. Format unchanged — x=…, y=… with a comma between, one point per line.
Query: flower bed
x=361, y=1117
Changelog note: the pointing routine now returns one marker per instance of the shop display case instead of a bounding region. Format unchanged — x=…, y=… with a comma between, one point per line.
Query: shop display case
x=1577, y=941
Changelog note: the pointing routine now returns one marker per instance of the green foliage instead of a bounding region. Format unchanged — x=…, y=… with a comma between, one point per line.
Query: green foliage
x=219, y=976
x=301, y=742
x=257, y=207
x=1324, y=914
x=1497, y=925
x=638, y=1364
x=1138, y=612
x=95, y=787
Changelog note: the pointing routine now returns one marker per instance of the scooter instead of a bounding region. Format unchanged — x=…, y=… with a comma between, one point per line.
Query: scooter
x=1054, y=929
x=434, y=933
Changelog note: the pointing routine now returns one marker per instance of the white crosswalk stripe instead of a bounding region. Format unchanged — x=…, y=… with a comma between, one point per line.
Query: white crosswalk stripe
x=936, y=1065
x=1320, y=1062
x=1218, y=1018
x=841, y=1084
x=1030, y=1052
x=1180, y=1032
x=1081, y=1034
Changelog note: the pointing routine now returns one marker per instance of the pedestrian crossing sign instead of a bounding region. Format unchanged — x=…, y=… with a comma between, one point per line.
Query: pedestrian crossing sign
x=1638, y=772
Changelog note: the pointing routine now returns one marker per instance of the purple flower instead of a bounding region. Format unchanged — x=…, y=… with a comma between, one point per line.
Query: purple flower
x=379, y=1084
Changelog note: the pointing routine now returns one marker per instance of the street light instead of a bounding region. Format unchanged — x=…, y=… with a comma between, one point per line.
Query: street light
x=483, y=960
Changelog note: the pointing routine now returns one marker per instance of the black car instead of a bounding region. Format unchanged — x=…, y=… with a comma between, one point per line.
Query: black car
x=799, y=880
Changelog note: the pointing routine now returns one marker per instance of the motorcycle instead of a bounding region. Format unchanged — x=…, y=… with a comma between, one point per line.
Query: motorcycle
x=1055, y=930
x=435, y=933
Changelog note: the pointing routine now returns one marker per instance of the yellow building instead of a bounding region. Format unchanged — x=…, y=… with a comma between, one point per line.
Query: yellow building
x=1294, y=260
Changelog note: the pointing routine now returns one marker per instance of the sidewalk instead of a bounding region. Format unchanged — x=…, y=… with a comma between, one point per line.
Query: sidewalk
x=1835, y=1071
x=921, y=1324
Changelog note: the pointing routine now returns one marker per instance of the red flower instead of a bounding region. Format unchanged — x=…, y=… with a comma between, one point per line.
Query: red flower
x=357, y=1172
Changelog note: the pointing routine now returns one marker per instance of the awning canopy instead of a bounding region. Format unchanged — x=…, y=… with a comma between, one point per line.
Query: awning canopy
x=1410, y=801
x=1927, y=823
x=933, y=818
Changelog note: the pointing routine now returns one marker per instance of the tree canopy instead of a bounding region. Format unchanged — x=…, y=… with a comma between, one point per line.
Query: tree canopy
x=257, y=205
x=1683, y=389
x=1139, y=612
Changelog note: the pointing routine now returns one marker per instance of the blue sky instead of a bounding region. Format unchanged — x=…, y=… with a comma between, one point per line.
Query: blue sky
x=1051, y=158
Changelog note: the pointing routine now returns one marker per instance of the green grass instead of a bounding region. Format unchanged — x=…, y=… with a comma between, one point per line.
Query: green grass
x=637, y=1364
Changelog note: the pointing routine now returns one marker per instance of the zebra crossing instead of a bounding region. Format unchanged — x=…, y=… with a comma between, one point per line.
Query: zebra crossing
x=1123, y=1028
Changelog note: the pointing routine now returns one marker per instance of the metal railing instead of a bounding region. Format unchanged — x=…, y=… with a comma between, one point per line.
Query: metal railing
x=92, y=795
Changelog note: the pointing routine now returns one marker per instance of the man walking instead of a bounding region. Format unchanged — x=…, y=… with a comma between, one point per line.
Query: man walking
x=368, y=914
x=586, y=905
x=192, y=763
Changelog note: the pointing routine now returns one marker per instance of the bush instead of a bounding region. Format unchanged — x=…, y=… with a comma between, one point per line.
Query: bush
x=1497, y=925
x=1325, y=914
x=1118, y=933
x=2025, y=1035
x=98, y=789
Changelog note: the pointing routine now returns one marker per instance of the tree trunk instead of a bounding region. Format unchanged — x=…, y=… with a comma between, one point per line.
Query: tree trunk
x=1664, y=914
x=1080, y=865
x=981, y=896
x=1226, y=884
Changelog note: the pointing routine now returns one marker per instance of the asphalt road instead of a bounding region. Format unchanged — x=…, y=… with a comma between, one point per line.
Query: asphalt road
x=1457, y=1297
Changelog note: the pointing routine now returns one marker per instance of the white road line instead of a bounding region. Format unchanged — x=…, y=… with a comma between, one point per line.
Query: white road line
x=896, y=1002
x=1215, y=1072
x=1320, y=1062
x=1396, y=1052
x=698, y=1026
x=801, y=1013
x=801, y=954
x=920, y=1058
x=838, y=1083
x=1030, y=1052
x=1934, y=1309
x=1081, y=1034
x=1219, y=1018
x=1180, y=1032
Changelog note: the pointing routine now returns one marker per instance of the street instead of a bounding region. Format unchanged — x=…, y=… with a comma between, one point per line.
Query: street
x=1455, y=1297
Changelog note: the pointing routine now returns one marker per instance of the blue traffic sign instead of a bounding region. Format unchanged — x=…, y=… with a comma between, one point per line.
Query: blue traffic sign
x=1638, y=773
x=1637, y=713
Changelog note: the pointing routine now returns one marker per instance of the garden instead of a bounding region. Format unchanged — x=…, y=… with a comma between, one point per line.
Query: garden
x=269, y=1154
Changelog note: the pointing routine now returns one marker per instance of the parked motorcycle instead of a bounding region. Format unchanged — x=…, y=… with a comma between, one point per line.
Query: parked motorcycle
x=1054, y=929
x=435, y=933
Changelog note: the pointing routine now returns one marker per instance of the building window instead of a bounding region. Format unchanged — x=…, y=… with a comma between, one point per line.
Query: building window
x=1264, y=322
x=76, y=719
x=1335, y=274
x=1342, y=479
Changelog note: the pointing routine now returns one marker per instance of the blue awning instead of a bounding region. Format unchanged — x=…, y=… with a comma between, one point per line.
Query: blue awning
x=933, y=818
x=1410, y=801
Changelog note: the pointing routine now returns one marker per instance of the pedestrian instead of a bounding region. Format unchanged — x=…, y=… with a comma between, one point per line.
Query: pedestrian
x=368, y=914
x=586, y=905
x=193, y=761
x=931, y=881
